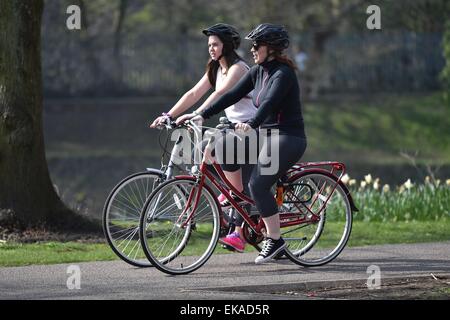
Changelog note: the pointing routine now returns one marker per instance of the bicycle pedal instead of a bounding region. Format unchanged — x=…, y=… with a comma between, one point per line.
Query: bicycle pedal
x=229, y=248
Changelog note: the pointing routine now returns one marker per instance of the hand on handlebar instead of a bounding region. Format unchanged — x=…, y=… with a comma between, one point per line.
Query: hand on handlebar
x=189, y=116
x=160, y=121
x=242, y=127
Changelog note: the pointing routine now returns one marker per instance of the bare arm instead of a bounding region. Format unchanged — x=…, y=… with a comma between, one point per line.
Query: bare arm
x=235, y=73
x=187, y=100
x=191, y=97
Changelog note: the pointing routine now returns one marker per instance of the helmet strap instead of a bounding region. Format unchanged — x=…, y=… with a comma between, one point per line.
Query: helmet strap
x=272, y=54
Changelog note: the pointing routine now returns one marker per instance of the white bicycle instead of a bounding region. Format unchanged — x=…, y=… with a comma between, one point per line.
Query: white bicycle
x=123, y=206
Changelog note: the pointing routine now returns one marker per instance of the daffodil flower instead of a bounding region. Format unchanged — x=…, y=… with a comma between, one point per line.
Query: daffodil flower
x=376, y=185
x=345, y=179
x=408, y=185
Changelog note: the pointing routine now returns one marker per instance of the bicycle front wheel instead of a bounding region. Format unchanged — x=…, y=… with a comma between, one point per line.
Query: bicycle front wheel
x=178, y=237
x=121, y=215
x=326, y=210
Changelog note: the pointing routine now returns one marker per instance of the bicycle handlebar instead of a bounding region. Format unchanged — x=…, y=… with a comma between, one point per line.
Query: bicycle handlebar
x=171, y=125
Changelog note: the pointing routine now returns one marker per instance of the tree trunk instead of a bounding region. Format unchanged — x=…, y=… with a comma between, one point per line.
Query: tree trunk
x=118, y=76
x=27, y=196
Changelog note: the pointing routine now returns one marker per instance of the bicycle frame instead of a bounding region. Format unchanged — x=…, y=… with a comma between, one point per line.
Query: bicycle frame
x=169, y=168
x=286, y=219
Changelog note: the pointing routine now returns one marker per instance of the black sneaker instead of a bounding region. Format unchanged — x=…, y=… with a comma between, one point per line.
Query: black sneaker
x=270, y=249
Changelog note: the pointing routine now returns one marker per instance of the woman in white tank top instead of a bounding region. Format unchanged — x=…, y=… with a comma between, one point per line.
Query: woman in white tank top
x=243, y=110
x=224, y=69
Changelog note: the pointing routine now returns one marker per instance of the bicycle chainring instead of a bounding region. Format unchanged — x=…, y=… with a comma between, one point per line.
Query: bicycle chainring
x=251, y=236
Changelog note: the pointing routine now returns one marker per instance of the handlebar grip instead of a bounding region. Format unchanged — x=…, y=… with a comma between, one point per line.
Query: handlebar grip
x=224, y=120
x=226, y=126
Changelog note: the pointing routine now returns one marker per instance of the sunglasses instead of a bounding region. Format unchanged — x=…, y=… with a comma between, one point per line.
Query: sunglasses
x=256, y=45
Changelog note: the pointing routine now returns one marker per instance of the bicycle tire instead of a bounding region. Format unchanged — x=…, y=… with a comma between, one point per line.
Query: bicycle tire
x=130, y=212
x=161, y=218
x=324, y=244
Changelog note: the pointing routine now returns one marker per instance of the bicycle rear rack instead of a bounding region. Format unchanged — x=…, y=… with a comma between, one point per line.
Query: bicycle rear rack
x=332, y=167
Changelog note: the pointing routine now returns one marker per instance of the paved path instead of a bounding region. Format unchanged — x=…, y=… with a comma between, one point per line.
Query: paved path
x=226, y=277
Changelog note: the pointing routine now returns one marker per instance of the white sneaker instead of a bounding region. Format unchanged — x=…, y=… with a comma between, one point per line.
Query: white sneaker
x=270, y=249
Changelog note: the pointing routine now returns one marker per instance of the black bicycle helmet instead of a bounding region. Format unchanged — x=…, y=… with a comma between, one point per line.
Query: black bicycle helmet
x=225, y=32
x=273, y=35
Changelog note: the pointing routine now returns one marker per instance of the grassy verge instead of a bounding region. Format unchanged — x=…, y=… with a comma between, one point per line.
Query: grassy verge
x=375, y=233
x=363, y=233
x=376, y=129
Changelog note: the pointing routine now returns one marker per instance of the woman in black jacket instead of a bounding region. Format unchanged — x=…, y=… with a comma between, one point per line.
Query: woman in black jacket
x=277, y=97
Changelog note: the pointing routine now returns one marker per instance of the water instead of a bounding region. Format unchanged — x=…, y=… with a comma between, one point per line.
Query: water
x=92, y=145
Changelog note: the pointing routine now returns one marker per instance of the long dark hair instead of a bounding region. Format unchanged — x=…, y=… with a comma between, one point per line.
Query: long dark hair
x=283, y=58
x=231, y=57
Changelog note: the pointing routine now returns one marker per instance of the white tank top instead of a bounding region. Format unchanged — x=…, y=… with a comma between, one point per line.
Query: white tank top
x=241, y=111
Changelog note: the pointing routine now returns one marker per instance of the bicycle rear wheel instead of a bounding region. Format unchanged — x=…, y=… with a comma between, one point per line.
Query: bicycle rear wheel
x=175, y=238
x=317, y=241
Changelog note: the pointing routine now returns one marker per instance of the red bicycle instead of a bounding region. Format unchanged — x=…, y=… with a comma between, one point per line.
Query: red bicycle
x=181, y=220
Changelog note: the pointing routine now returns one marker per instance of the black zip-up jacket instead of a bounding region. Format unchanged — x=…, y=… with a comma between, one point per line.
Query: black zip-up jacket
x=276, y=95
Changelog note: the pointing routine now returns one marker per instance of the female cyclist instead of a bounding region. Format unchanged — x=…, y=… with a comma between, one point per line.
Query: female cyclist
x=223, y=71
x=277, y=97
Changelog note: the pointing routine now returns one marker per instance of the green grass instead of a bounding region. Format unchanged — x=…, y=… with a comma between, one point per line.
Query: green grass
x=376, y=233
x=377, y=128
x=363, y=233
x=17, y=254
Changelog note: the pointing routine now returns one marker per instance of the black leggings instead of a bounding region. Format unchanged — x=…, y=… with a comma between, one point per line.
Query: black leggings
x=290, y=150
x=268, y=169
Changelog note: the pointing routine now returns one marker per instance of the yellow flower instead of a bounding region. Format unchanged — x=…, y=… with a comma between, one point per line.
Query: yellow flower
x=408, y=185
x=386, y=188
x=363, y=184
x=368, y=178
x=352, y=182
x=345, y=179
x=427, y=179
x=447, y=182
x=438, y=182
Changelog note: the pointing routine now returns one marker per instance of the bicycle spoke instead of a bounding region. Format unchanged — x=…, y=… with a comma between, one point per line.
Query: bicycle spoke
x=178, y=245
x=122, y=215
x=322, y=240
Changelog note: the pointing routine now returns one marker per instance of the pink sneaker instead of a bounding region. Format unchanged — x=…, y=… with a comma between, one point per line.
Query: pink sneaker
x=224, y=203
x=233, y=240
x=221, y=198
